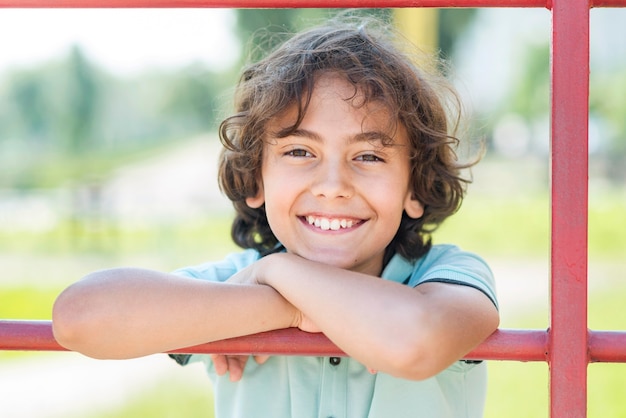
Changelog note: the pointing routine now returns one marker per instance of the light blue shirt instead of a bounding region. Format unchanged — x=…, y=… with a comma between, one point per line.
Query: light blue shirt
x=322, y=387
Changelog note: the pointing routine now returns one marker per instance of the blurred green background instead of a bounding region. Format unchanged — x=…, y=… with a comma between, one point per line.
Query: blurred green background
x=100, y=168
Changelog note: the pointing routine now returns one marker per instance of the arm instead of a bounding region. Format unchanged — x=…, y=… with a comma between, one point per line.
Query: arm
x=124, y=313
x=407, y=332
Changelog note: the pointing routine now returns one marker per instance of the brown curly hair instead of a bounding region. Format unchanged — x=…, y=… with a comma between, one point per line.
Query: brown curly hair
x=369, y=59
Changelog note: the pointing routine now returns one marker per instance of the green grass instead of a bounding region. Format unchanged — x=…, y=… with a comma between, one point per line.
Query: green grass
x=520, y=390
x=187, y=239
x=172, y=399
x=519, y=226
x=27, y=302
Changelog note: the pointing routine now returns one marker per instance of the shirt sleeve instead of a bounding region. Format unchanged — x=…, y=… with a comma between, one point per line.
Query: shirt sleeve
x=449, y=264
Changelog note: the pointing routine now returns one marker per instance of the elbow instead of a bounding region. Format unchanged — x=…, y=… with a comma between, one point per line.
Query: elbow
x=74, y=320
x=421, y=355
x=68, y=322
x=412, y=362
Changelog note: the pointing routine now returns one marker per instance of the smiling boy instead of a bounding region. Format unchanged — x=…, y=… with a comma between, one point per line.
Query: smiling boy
x=339, y=162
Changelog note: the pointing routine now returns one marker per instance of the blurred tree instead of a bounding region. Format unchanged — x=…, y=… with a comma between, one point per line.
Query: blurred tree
x=531, y=95
x=193, y=98
x=82, y=101
x=260, y=30
x=28, y=106
x=452, y=25
x=608, y=106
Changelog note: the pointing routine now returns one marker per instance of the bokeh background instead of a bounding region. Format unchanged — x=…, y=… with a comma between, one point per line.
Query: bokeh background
x=108, y=150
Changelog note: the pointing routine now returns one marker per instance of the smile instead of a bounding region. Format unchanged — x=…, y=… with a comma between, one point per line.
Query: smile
x=328, y=224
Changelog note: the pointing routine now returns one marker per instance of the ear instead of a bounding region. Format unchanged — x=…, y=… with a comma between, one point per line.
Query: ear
x=257, y=200
x=413, y=207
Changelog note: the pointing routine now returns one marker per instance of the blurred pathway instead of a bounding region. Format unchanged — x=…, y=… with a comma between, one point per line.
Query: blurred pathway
x=62, y=385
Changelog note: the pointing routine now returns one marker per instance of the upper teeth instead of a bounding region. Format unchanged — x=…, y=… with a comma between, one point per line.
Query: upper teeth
x=332, y=224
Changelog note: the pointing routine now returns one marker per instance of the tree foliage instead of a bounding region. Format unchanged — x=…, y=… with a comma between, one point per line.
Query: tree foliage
x=260, y=30
x=71, y=108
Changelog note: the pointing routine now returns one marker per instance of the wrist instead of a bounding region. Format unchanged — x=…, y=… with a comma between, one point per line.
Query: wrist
x=268, y=267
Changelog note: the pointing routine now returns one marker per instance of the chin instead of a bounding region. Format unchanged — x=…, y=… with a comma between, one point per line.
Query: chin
x=332, y=258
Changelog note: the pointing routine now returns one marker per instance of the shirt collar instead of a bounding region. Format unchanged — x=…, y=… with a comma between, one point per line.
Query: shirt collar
x=398, y=269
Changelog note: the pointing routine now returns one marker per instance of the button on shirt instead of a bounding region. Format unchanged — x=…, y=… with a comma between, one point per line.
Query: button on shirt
x=322, y=387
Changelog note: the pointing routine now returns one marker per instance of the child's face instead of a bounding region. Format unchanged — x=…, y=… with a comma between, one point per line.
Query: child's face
x=333, y=192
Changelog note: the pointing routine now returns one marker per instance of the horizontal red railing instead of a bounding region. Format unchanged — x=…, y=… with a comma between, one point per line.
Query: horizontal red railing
x=254, y=4
x=504, y=344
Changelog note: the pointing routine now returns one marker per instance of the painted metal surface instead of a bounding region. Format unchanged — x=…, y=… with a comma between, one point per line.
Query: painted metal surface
x=522, y=345
x=253, y=4
x=504, y=344
x=259, y=4
x=568, y=355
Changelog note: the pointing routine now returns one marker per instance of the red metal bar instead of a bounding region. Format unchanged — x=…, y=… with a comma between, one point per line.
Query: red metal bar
x=287, y=3
x=504, y=344
x=523, y=345
x=513, y=344
x=608, y=3
x=270, y=3
x=568, y=351
x=607, y=346
x=27, y=335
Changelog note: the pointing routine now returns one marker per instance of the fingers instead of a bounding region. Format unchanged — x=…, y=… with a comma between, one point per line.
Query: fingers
x=233, y=364
x=236, y=364
x=261, y=359
x=220, y=363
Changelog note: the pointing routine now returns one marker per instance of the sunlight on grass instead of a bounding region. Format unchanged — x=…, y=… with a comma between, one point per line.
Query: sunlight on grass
x=164, y=399
x=520, y=389
x=27, y=303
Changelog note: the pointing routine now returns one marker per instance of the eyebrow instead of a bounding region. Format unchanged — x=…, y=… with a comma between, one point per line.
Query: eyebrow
x=369, y=136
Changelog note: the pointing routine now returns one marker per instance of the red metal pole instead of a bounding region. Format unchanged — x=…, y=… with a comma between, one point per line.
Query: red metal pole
x=288, y=3
x=568, y=352
x=522, y=345
x=504, y=344
x=27, y=335
x=270, y=3
x=607, y=346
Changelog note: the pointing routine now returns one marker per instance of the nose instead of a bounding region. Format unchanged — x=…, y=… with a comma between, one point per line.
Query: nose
x=332, y=179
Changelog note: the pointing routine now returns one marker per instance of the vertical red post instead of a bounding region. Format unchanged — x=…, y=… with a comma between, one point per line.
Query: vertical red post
x=568, y=352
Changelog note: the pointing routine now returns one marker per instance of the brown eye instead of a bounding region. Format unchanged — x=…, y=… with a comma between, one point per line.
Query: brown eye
x=298, y=153
x=369, y=158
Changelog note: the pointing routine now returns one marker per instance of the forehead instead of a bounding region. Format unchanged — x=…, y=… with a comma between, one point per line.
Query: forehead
x=334, y=97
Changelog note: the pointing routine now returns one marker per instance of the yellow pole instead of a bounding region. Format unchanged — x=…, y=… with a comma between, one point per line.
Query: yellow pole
x=419, y=25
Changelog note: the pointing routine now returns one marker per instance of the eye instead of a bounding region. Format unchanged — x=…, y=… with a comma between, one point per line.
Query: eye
x=298, y=152
x=369, y=158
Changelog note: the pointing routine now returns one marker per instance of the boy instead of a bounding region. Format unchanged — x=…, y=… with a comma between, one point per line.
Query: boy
x=339, y=162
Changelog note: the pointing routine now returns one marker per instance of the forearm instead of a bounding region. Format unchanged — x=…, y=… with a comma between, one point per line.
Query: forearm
x=126, y=313
x=365, y=316
x=407, y=332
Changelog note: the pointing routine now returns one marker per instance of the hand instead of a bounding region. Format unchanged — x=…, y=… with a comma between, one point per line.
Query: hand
x=233, y=364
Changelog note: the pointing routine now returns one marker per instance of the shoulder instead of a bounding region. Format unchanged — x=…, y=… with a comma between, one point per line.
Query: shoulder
x=451, y=256
x=451, y=264
x=220, y=270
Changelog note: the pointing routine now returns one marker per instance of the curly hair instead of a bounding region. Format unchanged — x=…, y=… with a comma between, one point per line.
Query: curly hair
x=369, y=59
